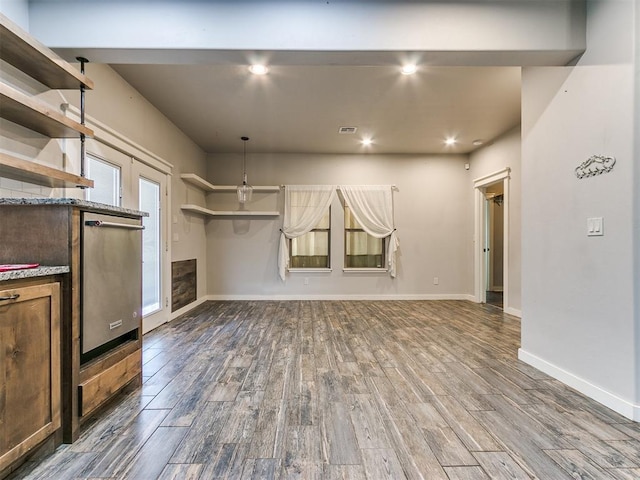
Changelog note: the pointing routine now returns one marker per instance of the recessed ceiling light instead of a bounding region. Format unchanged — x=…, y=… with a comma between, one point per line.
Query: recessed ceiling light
x=258, y=69
x=478, y=142
x=366, y=142
x=409, y=69
x=450, y=141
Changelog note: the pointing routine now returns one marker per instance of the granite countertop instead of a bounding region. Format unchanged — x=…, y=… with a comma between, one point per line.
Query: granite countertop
x=41, y=271
x=74, y=202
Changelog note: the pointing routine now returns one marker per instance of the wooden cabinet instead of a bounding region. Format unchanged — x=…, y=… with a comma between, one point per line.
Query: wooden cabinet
x=86, y=387
x=31, y=57
x=30, y=392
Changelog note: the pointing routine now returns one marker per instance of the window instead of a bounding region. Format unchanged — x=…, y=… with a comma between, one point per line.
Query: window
x=106, y=178
x=361, y=250
x=311, y=250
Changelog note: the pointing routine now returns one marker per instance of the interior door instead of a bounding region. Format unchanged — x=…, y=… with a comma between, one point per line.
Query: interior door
x=151, y=186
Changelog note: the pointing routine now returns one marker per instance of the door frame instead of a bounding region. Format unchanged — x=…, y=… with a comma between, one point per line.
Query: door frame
x=480, y=227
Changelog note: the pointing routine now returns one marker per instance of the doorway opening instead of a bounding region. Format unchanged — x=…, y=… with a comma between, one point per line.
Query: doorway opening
x=494, y=244
x=492, y=239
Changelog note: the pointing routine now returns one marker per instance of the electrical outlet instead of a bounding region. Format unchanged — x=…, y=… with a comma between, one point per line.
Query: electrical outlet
x=306, y=280
x=436, y=281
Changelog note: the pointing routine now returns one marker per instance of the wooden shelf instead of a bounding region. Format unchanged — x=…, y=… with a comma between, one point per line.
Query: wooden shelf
x=19, y=108
x=202, y=184
x=197, y=181
x=31, y=172
x=227, y=213
x=36, y=60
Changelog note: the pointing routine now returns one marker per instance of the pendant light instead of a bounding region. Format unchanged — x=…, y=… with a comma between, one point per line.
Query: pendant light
x=245, y=190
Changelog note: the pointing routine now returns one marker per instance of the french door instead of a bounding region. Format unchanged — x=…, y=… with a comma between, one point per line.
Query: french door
x=124, y=181
x=152, y=198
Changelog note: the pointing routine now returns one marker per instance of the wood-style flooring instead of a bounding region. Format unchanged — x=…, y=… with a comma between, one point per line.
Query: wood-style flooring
x=345, y=390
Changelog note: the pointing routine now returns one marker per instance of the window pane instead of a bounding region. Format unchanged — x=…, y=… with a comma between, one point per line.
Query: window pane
x=349, y=219
x=361, y=249
x=299, y=204
x=310, y=250
x=106, y=178
x=150, y=202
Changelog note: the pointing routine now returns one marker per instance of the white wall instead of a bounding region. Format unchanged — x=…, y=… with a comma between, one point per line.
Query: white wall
x=17, y=11
x=433, y=207
x=578, y=292
x=506, y=152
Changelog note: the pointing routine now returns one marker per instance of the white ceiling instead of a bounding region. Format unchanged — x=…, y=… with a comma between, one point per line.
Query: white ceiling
x=299, y=107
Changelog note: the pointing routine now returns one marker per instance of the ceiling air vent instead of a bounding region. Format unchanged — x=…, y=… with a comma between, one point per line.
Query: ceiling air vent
x=347, y=130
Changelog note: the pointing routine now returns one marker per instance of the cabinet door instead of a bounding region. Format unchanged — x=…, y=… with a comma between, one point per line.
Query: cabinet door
x=29, y=368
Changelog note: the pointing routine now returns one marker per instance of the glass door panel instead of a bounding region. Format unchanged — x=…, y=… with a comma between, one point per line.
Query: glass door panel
x=151, y=246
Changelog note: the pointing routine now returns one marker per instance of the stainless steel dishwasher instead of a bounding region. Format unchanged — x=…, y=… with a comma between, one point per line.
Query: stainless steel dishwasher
x=111, y=281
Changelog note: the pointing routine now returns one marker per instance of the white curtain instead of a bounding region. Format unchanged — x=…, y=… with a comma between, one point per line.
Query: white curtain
x=304, y=207
x=372, y=207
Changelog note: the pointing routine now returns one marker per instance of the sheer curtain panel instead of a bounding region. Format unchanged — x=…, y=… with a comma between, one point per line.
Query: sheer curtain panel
x=304, y=207
x=372, y=207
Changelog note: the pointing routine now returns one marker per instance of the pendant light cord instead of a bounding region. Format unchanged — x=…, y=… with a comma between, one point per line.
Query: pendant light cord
x=244, y=159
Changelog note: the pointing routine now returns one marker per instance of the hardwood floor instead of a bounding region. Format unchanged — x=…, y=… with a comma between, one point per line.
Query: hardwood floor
x=346, y=390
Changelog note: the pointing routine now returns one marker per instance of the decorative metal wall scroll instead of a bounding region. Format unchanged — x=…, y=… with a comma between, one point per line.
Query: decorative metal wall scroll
x=595, y=165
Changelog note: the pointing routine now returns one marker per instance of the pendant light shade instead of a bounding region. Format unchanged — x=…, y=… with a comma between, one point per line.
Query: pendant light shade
x=245, y=190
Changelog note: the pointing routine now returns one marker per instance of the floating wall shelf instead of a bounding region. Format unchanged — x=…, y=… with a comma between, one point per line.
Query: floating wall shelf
x=202, y=184
x=227, y=213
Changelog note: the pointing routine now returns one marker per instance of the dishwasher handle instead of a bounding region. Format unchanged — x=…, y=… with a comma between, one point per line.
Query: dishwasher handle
x=100, y=223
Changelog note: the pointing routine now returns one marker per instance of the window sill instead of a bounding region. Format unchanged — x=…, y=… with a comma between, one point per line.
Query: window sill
x=365, y=270
x=309, y=270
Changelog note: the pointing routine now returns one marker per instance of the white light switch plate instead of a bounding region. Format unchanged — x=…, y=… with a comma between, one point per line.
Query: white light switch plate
x=595, y=227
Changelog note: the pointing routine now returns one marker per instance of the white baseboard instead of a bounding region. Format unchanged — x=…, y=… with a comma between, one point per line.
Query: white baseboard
x=344, y=297
x=608, y=399
x=513, y=311
x=187, y=308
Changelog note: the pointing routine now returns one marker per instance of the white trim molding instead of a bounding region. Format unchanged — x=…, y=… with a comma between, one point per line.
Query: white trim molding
x=492, y=177
x=606, y=398
x=513, y=311
x=188, y=308
x=380, y=297
x=479, y=184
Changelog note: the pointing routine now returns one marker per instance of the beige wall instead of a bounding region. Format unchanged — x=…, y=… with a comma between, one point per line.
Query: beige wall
x=433, y=207
x=506, y=152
